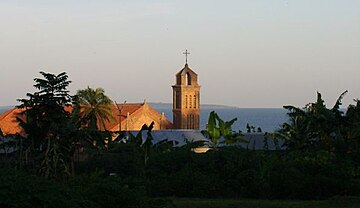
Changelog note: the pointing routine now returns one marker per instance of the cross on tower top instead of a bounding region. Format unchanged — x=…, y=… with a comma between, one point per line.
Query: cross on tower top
x=186, y=55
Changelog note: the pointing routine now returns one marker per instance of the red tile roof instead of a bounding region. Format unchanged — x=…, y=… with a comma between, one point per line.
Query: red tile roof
x=125, y=109
x=133, y=110
x=8, y=122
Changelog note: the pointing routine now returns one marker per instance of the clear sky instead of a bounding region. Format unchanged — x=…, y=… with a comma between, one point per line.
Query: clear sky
x=248, y=53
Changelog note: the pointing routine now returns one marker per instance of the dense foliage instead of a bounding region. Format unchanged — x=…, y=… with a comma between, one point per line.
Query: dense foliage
x=234, y=172
x=43, y=173
x=320, y=158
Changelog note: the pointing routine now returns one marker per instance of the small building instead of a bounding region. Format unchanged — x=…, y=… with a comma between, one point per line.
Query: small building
x=260, y=141
x=178, y=137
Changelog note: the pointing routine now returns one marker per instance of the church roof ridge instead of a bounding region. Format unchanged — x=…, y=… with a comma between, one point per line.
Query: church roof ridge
x=130, y=103
x=186, y=69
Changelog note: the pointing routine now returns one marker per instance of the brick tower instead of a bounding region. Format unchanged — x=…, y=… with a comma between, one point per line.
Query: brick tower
x=186, y=99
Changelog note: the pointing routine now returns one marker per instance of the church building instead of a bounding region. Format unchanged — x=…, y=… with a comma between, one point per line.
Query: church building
x=127, y=117
x=131, y=117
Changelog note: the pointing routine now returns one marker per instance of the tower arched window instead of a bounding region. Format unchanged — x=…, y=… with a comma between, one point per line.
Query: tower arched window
x=188, y=78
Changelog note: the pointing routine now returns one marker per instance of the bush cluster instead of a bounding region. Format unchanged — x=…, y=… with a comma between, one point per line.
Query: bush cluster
x=21, y=189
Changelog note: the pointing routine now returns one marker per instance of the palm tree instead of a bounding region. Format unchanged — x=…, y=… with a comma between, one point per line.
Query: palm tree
x=94, y=107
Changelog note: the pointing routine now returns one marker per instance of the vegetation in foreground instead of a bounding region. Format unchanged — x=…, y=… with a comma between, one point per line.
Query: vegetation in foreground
x=20, y=189
x=336, y=202
x=320, y=158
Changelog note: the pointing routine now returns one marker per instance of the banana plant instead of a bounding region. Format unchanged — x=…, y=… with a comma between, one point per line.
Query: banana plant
x=213, y=131
x=220, y=131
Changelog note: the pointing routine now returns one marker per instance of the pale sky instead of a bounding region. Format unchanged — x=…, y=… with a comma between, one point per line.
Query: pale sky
x=248, y=53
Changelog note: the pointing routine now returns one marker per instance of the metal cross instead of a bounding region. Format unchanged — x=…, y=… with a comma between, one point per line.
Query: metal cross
x=186, y=55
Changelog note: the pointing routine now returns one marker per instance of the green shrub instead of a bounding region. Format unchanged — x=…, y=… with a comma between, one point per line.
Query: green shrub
x=19, y=189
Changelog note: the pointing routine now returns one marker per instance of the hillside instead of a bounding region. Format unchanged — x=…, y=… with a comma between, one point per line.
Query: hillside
x=203, y=106
x=5, y=108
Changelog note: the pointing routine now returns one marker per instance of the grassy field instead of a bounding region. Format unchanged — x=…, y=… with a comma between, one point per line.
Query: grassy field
x=337, y=202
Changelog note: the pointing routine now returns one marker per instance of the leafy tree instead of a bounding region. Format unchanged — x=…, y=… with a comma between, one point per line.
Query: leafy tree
x=48, y=145
x=315, y=127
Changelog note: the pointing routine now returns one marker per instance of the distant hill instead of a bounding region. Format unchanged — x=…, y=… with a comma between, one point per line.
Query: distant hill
x=203, y=106
x=156, y=106
x=5, y=108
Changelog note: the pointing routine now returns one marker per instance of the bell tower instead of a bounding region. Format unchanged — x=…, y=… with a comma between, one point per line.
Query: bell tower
x=186, y=99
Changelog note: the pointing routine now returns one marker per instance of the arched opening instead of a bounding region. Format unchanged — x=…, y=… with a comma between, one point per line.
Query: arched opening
x=188, y=78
